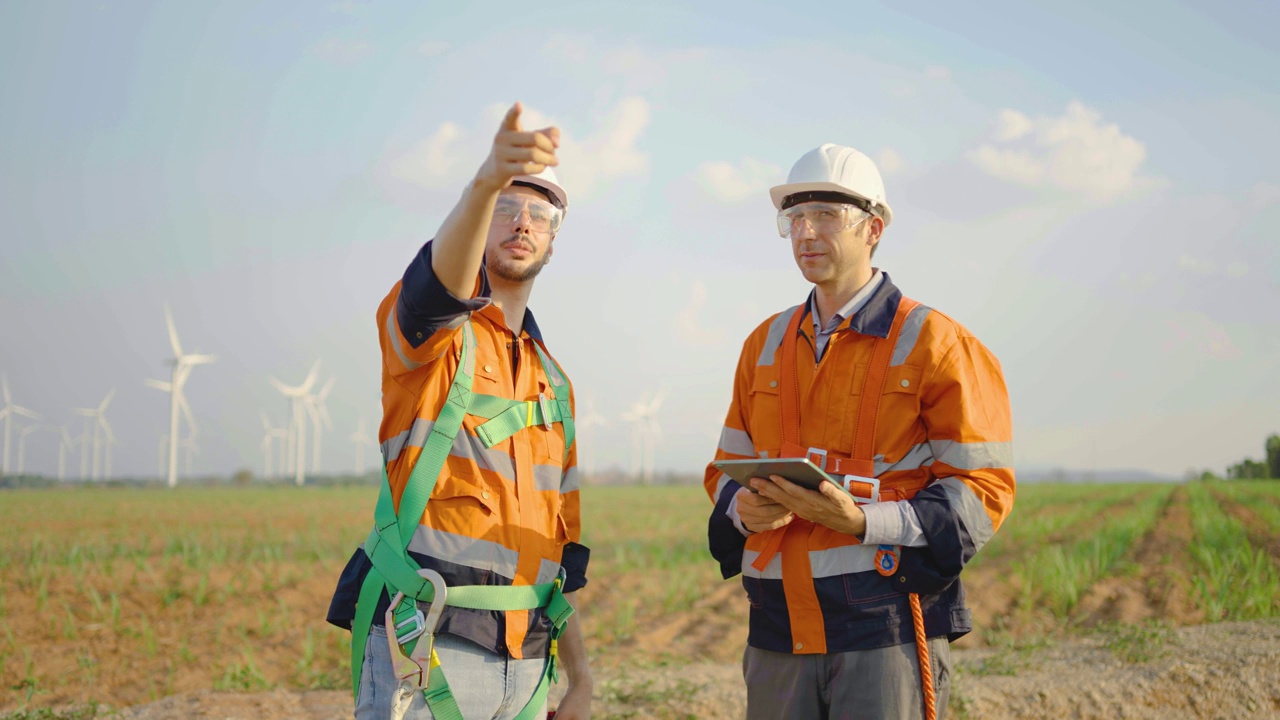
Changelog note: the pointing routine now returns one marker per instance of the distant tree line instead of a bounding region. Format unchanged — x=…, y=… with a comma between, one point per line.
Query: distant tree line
x=1250, y=469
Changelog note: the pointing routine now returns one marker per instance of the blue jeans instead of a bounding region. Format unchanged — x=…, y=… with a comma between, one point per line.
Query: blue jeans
x=487, y=685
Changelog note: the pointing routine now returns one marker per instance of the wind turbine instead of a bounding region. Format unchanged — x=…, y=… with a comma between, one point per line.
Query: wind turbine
x=101, y=433
x=270, y=435
x=318, y=411
x=645, y=433
x=297, y=431
x=362, y=440
x=64, y=443
x=181, y=365
x=8, y=412
x=22, y=444
x=582, y=426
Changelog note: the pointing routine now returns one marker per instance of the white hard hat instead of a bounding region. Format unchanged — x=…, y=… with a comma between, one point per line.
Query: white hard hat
x=838, y=169
x=547, y=181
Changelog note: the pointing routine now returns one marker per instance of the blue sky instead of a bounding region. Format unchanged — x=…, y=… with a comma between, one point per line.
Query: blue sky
x=1091, y=188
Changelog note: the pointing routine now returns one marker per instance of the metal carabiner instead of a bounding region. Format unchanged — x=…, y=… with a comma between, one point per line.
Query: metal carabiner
x=418, y=661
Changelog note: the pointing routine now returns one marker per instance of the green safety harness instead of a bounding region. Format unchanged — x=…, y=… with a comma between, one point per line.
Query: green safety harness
x=410, y=633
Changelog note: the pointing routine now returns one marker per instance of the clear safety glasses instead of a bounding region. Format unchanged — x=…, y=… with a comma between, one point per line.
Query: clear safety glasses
x=543, y=216
x=824, y=218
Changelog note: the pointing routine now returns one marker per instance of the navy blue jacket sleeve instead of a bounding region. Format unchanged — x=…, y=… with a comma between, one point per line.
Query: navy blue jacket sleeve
x=426, y=305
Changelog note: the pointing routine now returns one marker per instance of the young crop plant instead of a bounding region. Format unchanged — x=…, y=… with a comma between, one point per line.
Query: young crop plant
x=1237, y=581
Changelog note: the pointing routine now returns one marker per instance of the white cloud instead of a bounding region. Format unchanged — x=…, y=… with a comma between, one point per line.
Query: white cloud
x=432, y=48
x=1196, y=333
x=342, y=51
x=1265, y=194
x=1075, y=152
x=938, y=72
x=431, y=162
x=1012, y=125
x=689, y=326
x=442, y=159
x=733, y=183
x=890, y=161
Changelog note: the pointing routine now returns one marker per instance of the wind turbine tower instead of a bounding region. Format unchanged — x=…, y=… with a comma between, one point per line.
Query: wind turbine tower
x=8, y=412
x=298, y=431
x=180, y=369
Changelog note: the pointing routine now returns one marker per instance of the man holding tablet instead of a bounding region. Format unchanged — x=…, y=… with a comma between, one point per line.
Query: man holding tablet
x=854, y=585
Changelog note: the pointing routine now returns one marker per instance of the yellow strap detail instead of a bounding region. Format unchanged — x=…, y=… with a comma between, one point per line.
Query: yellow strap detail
x=529, y=421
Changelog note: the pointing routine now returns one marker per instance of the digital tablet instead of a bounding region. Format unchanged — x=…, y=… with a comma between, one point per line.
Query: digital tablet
x=800, y=471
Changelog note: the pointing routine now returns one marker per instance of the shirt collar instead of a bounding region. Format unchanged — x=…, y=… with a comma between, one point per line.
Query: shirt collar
x=850, y=308
x=875, y=316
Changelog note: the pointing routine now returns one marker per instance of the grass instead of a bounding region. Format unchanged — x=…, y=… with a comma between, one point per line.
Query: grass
x=1139, y=643
x=1237, y=581
x=228, y=587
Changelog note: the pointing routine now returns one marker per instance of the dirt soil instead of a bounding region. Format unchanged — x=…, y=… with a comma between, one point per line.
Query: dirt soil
x=1227, y=670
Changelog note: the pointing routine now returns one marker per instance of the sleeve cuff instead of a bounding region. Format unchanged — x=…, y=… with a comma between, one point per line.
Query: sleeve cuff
x=426, y=305
x=892, y=523
x=732, y=512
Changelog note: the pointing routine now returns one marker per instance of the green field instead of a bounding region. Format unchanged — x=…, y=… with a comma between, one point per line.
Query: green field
x=127, y=595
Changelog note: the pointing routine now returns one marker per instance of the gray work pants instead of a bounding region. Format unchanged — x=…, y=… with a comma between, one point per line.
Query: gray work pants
x=880, y=684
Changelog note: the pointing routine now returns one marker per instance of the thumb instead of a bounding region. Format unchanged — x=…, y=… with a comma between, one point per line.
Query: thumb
x=511, y=121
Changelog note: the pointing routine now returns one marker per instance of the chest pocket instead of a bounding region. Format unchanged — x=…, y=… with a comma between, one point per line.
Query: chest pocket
x=766, y=410
x=462, y=506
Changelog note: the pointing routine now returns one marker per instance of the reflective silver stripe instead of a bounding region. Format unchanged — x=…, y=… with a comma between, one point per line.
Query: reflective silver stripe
x=910, y=333
x=720, y=485
x=736, y=442
x=917, y=457
x=973, y=456
x=548, y=477
x=772, y=571
x=415, y=436
x=777, y=329
x=470, y=366
x=823, y=563
x=463, y=550
x=547, y=572
x=393, y=333
x=571, y=481
x=842, y=560
x=970, y=509
x=464, y=446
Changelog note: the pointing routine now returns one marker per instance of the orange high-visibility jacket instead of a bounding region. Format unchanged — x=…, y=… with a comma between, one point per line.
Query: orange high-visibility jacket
x=942, y=444
x=504, y=515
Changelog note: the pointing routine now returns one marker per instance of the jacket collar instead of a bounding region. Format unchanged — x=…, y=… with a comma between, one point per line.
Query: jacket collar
x=876, y=316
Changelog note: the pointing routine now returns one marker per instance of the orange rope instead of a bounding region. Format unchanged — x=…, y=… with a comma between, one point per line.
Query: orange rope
x=922, y=652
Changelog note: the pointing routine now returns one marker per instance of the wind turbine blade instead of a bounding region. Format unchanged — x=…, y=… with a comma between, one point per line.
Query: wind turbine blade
x=198, y=359
x=86, y=412
x=324, y=391
x=106, y=427
x=4, y=385
x=158, y=384
x=311, y=378
x=19, y=410
x=173, y=332
x=107, y=401
x=281, y=386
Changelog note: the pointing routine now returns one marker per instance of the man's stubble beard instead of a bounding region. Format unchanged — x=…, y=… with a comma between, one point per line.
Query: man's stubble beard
x=513, y=273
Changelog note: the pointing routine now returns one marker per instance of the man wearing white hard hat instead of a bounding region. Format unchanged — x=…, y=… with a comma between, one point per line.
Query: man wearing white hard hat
x=854, y=587
x=460, y=599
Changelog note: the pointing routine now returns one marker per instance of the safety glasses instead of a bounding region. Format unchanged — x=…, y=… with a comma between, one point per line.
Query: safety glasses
x=824, y=218
x=543, y=216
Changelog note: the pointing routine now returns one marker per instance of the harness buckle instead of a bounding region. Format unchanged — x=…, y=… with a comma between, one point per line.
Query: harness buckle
x=818, y=457
x=863, y=495
x=414, y=669
x=545, y=407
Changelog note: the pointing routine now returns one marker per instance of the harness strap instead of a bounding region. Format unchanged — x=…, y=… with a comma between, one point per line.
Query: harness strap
x=394, y=570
